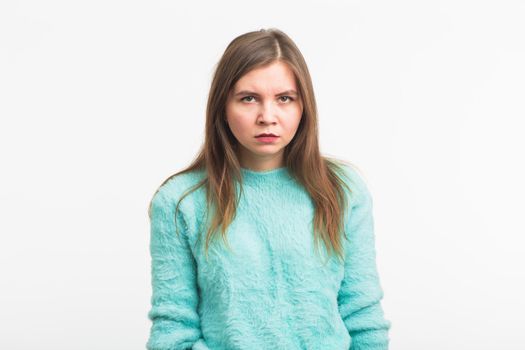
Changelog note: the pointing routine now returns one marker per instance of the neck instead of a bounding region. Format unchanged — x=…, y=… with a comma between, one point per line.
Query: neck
x=265, y=178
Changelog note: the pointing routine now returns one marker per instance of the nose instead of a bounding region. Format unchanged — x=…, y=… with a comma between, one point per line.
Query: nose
x=267, y=113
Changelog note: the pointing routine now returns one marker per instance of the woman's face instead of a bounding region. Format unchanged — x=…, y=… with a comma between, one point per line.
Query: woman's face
x=264, y=100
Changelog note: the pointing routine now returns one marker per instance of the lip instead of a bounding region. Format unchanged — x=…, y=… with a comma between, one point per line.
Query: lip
x=264, y=134
x=267, y=139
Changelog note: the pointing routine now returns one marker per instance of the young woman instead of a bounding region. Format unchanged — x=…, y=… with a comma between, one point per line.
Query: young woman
x=261, y=183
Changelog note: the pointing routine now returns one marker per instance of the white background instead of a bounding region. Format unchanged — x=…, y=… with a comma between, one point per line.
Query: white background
x=100, y=101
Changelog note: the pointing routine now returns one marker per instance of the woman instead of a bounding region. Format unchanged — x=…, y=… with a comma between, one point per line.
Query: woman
x=260, y=182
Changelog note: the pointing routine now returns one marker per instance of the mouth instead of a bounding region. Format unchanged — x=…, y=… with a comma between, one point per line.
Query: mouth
x=267, y=135
x=267, y=138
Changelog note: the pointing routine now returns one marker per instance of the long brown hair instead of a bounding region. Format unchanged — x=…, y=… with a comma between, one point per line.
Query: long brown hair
x=320, y=175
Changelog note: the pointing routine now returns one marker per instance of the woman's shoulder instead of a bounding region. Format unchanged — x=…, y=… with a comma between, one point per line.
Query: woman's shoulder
x=182, y=180
x=354, y=177
x=175, y=187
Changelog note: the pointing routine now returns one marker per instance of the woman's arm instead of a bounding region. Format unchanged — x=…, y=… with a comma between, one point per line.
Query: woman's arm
x=174, y=300
x=360, y=292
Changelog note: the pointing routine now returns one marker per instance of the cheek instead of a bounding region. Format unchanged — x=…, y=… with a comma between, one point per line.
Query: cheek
x=293, y=119
x=239, y=119
x=235, y=113
x=239, y=124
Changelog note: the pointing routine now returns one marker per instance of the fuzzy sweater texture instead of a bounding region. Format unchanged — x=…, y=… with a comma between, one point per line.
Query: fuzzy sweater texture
x=270, y=289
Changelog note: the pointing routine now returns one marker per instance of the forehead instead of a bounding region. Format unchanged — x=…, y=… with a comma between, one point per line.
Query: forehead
x=275, y=76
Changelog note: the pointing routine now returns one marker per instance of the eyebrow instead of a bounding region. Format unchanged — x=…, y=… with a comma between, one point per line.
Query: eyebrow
x=246, y=92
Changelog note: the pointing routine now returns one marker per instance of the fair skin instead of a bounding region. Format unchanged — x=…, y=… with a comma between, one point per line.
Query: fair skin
x=264, y=100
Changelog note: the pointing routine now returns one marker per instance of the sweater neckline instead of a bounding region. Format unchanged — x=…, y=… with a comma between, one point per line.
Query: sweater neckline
x=265, y=177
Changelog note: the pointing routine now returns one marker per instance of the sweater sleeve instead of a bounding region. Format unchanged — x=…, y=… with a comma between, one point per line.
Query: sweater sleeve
x=174, y=300
x=360, y=293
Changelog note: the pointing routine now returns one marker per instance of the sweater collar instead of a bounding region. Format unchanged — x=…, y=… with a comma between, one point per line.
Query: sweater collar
x=266, y=177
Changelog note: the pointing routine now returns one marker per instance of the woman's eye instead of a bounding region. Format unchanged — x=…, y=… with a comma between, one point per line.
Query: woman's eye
x=244, y=98
x=282, y=98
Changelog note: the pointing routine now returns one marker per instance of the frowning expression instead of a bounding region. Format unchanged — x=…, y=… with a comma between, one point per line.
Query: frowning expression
x=264, y=100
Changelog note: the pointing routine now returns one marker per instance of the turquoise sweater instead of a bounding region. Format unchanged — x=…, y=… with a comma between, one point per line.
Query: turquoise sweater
x=272, y=291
